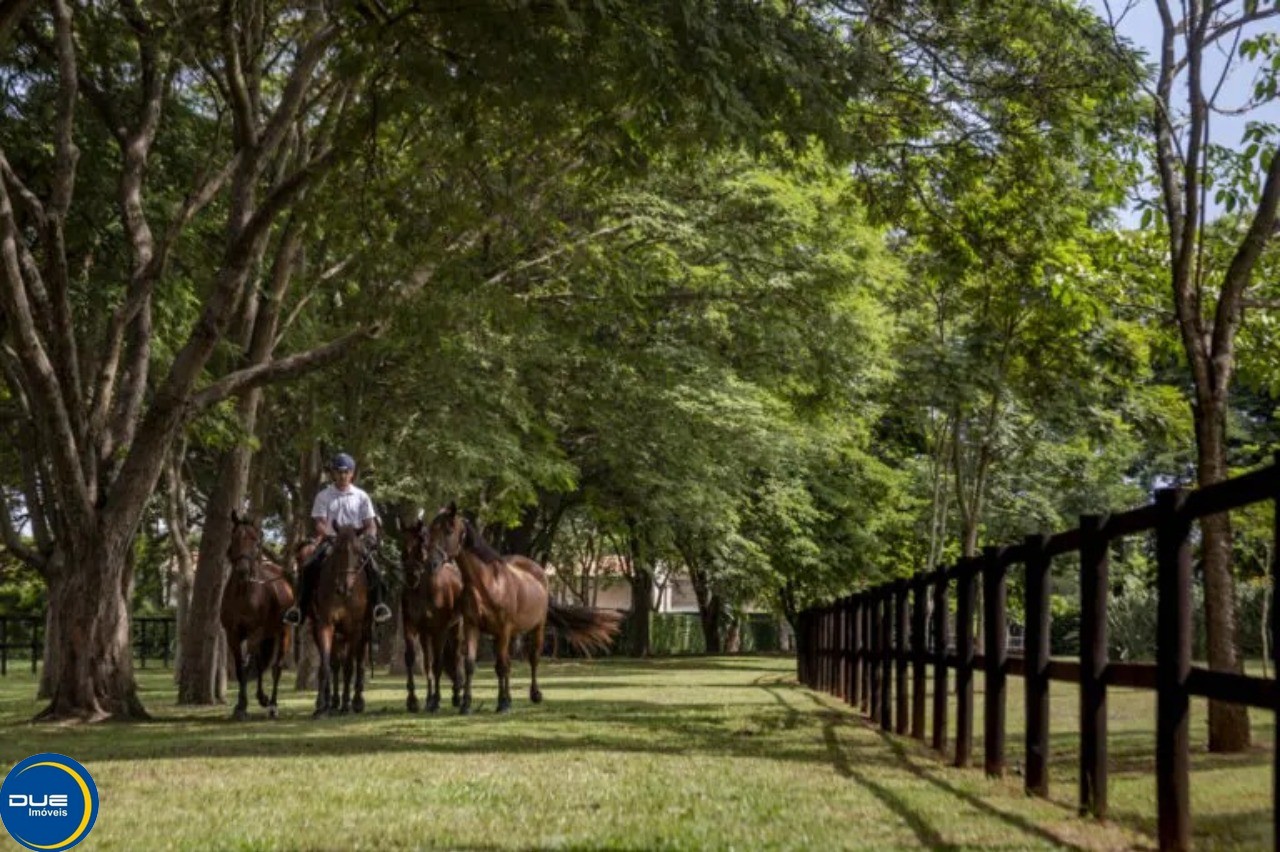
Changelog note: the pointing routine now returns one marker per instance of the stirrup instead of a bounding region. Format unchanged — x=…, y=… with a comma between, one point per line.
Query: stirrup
x=381, y=613
x=293, y=615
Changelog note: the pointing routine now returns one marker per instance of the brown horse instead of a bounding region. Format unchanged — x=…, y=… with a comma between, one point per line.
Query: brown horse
x=506, y=596
x=253, y=604
x=430, y=609
x=341, y=621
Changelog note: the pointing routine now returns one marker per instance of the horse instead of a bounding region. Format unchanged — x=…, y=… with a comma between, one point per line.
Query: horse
x=341, y=621
x=253, y=605
x=507, y=596
x=430, y=612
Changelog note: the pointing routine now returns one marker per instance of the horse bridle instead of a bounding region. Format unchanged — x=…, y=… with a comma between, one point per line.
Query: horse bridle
x=429, y=565
x=254, y=559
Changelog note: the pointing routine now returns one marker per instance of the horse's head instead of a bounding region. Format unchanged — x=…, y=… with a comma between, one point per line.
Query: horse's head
x=347, y=557
x=413, y=543
x=446, y=536
x=245, y=550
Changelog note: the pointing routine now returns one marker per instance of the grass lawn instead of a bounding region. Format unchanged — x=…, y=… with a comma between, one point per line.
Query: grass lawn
x=676, y=753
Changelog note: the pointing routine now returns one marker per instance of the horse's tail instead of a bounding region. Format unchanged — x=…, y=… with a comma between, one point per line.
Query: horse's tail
x=586, y=629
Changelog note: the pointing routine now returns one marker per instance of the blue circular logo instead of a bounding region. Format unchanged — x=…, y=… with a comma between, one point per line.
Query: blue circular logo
x=48, y=802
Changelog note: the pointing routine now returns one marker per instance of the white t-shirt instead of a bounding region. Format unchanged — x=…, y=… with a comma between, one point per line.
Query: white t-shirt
x=350, y=508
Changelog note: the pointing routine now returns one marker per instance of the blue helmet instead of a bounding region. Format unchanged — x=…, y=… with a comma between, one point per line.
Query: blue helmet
x=342, y=461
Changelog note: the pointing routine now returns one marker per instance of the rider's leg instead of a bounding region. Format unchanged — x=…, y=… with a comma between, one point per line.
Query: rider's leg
x=381, y=612
x=306, y=583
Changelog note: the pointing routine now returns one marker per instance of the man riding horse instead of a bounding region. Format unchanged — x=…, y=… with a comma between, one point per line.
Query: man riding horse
x=341, y=503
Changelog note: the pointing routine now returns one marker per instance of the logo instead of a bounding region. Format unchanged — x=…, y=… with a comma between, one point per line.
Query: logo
x=48, y=802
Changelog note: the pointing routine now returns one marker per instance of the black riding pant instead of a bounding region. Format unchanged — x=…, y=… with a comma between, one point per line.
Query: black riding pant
x=311, y=568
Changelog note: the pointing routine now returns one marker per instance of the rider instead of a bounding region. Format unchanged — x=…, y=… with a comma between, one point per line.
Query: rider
x=340, y=504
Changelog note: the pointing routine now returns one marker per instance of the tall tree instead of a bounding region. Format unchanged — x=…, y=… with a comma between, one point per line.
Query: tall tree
x=105, y=409
x=1201, y=43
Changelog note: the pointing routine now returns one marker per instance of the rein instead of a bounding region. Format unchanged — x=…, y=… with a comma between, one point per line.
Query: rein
x=257, y=563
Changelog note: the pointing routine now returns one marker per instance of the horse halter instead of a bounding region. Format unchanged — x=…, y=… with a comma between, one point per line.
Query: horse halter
x=250, y=560
x=416, y=557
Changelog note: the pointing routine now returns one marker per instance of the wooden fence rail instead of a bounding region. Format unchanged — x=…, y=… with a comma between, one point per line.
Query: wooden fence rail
x=22, y=637
x=861, y=648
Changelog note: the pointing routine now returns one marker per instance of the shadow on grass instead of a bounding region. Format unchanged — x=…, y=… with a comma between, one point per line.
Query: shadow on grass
x=902, y=759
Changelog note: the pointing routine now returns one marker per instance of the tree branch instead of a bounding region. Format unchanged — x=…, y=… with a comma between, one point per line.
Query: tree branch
x=1240, y=271
x=280, y=368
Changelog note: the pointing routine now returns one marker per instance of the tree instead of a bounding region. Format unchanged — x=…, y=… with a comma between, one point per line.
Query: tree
x=102, y=86
x=1208, y=295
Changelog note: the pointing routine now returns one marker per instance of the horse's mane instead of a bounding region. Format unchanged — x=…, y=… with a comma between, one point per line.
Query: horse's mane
x=477, y=543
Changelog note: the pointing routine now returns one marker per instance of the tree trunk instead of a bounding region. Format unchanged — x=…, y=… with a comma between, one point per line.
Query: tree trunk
x=641, y=581
x=198, y=683
x=710, y=608
x=92, y=679
x=1228, y=723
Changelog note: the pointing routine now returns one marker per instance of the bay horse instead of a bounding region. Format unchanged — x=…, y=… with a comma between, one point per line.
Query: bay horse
x=430, y=609
x=341, y=622
x=253, y=605
x=506, y=596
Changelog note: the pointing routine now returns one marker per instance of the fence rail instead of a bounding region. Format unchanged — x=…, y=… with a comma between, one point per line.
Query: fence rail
x=853, y=647
x=22, y=638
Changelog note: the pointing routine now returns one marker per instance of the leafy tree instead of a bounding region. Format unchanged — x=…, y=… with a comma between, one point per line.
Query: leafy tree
x=1208, y=292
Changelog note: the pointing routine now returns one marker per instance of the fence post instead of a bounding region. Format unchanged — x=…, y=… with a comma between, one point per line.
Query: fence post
x=994, y=626
x=1094, y=549
x=900, y=652
x=966, y=577
x=868, y=643
x=1275, y=653
x=886, y=659
x=846, y=649
x=855, y=677
x=940, y=659
x=919, y=589
x=877, y=647
x=833, y=649
x=1173, y=665
x=1036, y=664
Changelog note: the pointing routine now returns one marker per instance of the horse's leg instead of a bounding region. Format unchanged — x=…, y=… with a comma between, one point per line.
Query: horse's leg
x=410, y=634
x=436, y=658
x=535, y=651
x=335, y=681
x=469, y=666
x=502, y=665
x=323, y=635
x=264, y=662
x=277, y=664
x=454, y=647
x=346, y=679
x=357, y=703
x=234, y=643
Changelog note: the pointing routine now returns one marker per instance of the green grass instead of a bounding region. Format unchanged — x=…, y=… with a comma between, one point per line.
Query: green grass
x=678, y=753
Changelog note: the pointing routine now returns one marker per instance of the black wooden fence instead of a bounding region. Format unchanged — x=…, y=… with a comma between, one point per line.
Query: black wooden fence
x=854, y=647
x=22, y=639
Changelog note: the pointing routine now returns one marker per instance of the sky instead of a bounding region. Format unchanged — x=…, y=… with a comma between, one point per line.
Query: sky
x=1140, y=25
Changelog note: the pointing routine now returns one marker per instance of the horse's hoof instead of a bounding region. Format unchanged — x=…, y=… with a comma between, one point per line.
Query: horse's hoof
x=412, y=704
x=263, y=700
x=464, y=709
x=358, y=705
x=433, y=704
x=535, y=695
x=504, y=705
x=321, y=713
x=457, y=700
x=240, y=714
x=273, y=712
